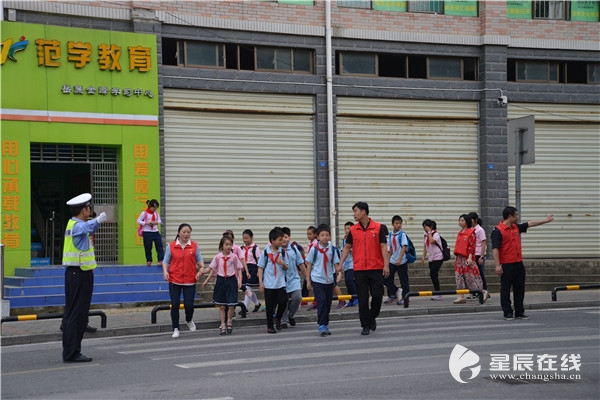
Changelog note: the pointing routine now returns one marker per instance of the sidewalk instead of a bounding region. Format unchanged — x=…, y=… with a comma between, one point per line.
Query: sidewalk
x=136, y=321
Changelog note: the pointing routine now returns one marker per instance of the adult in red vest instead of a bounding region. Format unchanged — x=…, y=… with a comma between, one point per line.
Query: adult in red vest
x=508, y=258
x=182, y=267
x=368, y=242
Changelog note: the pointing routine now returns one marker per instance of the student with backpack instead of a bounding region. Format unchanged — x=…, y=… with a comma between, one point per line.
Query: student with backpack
x=398, y=248
x=293, y=283
x=271, y=279
x=251, y=254
x=432, y=248
x=322, y=261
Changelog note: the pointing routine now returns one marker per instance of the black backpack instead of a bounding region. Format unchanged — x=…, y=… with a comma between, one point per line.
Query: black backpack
x=444, y=247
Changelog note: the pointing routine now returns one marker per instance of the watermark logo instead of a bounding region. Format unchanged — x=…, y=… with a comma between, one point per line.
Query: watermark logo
x=462, y=358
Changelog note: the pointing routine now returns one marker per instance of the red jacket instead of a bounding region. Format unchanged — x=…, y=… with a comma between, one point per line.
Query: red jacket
x=510, y=251
x=182, y=268
x=366, y=249
x=465, y=243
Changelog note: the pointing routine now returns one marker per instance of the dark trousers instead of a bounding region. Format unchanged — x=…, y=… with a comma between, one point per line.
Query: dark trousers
x=402, y=271
x=434, y=269
x=189, y=291
x=513, y=274
x=275, y=298
x=79, y=286
x=305, y=291
x=369, y=283
x=481, y=271
x=349, y=278
x=153, y=238
x=323, y=296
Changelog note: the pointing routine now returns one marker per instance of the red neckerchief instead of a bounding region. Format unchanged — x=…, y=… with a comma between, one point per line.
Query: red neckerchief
x=394, y=244
x=427, y=242
x=325, y=259
x=246, y=250
x=225, y=265
x=151, y=213
x=274, y=261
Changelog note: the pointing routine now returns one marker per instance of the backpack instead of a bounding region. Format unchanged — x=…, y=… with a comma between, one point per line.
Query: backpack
x=444, y=248
x=411, y=252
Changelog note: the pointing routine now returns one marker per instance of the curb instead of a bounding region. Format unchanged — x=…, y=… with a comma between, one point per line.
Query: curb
x=334, y=316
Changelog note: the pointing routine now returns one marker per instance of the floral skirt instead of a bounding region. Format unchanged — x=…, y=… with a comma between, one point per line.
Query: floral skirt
x=467, y=276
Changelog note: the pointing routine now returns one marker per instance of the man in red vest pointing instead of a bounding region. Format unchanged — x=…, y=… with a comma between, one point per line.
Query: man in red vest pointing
x=508, y=259
x=368, y=242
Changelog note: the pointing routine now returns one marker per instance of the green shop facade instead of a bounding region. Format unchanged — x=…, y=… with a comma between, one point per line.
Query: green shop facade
x=79, y=114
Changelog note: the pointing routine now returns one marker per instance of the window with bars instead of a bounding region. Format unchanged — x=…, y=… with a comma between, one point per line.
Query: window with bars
x=407, y=66
x=551, y=10
x=187, y=53
x=426, y=6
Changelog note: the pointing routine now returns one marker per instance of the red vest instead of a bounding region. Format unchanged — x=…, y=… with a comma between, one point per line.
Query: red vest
x=510, y=250
x=182, y=269
x=366, y=249
x=461, y=247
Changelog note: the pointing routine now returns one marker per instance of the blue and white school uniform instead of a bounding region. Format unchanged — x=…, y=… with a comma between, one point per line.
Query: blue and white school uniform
x=323, y=260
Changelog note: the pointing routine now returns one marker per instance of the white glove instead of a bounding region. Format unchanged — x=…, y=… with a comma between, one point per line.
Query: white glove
x=101, y=218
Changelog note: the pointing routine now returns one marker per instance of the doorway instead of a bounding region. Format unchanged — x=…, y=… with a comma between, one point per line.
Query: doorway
x=59, y=173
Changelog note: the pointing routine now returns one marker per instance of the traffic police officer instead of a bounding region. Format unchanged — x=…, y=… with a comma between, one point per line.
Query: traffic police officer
x=80, y=261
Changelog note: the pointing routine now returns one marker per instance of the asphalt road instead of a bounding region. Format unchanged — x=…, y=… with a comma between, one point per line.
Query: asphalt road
x=405, y=358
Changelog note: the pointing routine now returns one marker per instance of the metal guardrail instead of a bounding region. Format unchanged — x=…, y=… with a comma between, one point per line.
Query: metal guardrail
x=33, y=317
x=478, y=293
x=198, y=305
x=339, y=298
x=573, y=287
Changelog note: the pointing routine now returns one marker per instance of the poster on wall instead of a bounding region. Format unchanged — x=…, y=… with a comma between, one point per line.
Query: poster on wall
x=386, y=5
x=465, y=8
x=585, y=11
x=518, y=9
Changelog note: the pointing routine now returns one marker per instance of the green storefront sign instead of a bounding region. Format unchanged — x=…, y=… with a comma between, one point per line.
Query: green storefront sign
x=465, y=8
x=82, y=87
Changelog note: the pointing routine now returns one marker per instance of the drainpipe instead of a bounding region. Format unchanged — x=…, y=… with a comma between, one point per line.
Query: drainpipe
x=330, y=156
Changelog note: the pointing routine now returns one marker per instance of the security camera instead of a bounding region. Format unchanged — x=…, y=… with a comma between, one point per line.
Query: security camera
x=502, y=101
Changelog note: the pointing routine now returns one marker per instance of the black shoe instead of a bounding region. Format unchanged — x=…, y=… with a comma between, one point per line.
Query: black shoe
x=284, y=326
x=374, y=325
x=522, y=316
x=278, y=325
x=89, y=328
x=508, y=316
x=256, y=307
x=365, y=330
x=271, y=330
x=292, y=321
x=79, y=358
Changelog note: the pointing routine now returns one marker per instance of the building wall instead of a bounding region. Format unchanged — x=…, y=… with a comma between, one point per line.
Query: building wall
x=492, y=37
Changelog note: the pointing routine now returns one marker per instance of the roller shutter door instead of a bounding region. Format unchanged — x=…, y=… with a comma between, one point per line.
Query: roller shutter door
x=400, y=159
x=564, y=180
x=237, y=161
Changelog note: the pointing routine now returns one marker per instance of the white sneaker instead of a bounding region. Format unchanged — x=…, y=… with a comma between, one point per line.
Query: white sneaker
x=192, y=326
x=175, y=333
x=399, y=293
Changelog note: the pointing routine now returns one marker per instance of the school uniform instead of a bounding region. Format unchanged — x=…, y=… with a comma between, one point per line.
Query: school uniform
x=274, y=284
x=251, y=255
x=293, y=283
x=435, y=258
x=226, y=286
x=323, y=261
x=151, y=235
x=395, y=242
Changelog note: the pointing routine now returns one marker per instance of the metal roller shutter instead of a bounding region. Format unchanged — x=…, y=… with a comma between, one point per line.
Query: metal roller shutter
x=400, y=159
x=563, y=181
x=227, y=166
